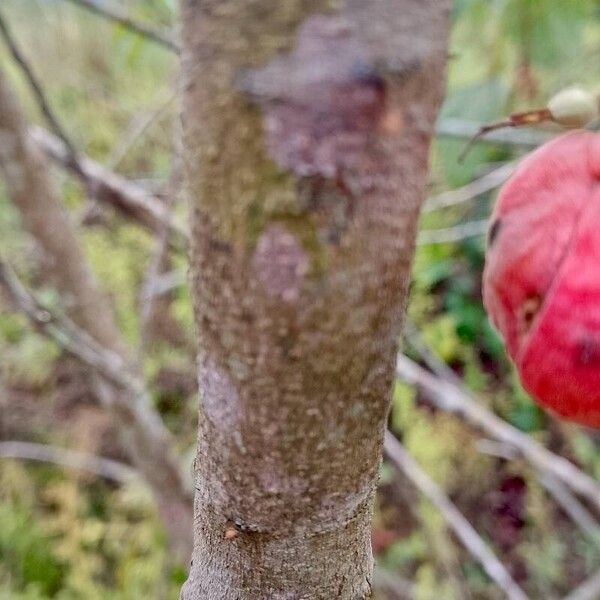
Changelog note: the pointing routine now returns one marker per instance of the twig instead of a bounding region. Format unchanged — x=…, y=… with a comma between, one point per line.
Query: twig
x=588, y=590
x=532, y=117
x=105, y=467
x=475, y=188
x=398, y=587
x=101, y=9
x=415, y=340
x=69, y=336
x=453, y=398
x=135, y=406
x=453, y=517
x=162, y=284
x=578, y=513
x=130, y=199
x=36, y=87
x=159, y=260
x=138, y=128
x=521, y=138
x=497, y=449
x=452, y=234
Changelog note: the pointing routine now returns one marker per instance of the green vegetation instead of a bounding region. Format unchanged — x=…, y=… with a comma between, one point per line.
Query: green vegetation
x=66, y=535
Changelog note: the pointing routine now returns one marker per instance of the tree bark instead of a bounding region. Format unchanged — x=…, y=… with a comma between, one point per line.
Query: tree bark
x=147, y=441
x=306, y=133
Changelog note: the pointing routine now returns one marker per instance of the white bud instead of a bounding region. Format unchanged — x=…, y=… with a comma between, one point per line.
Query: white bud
x=574, y=107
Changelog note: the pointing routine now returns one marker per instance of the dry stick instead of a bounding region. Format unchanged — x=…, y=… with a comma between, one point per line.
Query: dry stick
x=130, y=199
x=134, y=201
x=453, y=398
x=462, y=128
x=462, y=231
x=82, y=346
x=475, y=188
x=532, y=117
x=100, y=182
x=453, y=517
x=415, y=340
x=487, y=421
x=84, y=461
x=588, y=590
x=398, y=587
x=578, y=513
x=162, y=284
x=159, y=259
x=455, y=233
x=36, y=87
x=136, y=131
x=79, y=344
x=148, y=442
x=112, y=14
x=69, y=336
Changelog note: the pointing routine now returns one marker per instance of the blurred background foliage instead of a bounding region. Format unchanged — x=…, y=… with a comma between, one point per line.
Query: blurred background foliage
x=68, y=535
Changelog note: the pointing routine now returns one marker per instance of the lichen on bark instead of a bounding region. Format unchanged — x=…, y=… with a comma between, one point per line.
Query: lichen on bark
x=306, y=128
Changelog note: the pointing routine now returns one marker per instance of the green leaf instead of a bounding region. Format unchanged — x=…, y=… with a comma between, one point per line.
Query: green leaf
x=548, y=32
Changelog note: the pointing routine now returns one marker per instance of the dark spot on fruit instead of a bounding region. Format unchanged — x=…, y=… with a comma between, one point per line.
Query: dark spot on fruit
x=527, y=313
x=587, y=352
x=494, y=231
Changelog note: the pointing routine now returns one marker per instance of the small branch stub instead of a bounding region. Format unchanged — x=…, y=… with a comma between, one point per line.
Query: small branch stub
x=572, y=108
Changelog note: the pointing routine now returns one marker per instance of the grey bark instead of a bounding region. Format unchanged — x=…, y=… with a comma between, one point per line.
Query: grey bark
x=32, y=190
x=306, y=133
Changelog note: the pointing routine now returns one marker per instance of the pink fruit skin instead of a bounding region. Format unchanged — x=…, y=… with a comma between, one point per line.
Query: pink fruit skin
x=541, y=283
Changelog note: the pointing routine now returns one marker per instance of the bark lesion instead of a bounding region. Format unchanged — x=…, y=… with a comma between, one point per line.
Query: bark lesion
x=321, y=102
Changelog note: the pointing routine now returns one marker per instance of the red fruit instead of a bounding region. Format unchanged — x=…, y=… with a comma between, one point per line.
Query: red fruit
x=541, y=284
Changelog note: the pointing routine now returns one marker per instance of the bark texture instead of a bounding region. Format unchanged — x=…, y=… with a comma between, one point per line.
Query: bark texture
x=306, y=131
x=32, y=190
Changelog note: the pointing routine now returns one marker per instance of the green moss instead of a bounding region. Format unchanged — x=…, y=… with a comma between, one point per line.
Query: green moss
x=118, y=258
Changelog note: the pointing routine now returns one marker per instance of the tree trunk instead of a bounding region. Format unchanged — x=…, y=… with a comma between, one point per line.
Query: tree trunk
x=306, y=129
x=144, y=437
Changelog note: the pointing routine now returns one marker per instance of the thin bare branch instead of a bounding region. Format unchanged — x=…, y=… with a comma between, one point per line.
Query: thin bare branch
x=162, y=284
x=135, y=202
x=532, y=117
x=455, y=399
x=497, y=449
x=69, y=336
x=452, y=234
x=105, y=11
x=114, y=378
x=475, y=188
x=127, y=197
x=588, y=590
x=578, y=513
x=143, y=423
x=393, y=585
x=453, y=517
x=521, y=138
x=84, y=461
x=151, y=304
x=38, y=92
x=139, y=127
x=415, y=340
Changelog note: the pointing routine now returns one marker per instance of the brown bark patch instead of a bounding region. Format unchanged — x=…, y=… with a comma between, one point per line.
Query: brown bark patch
x=321, y=102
